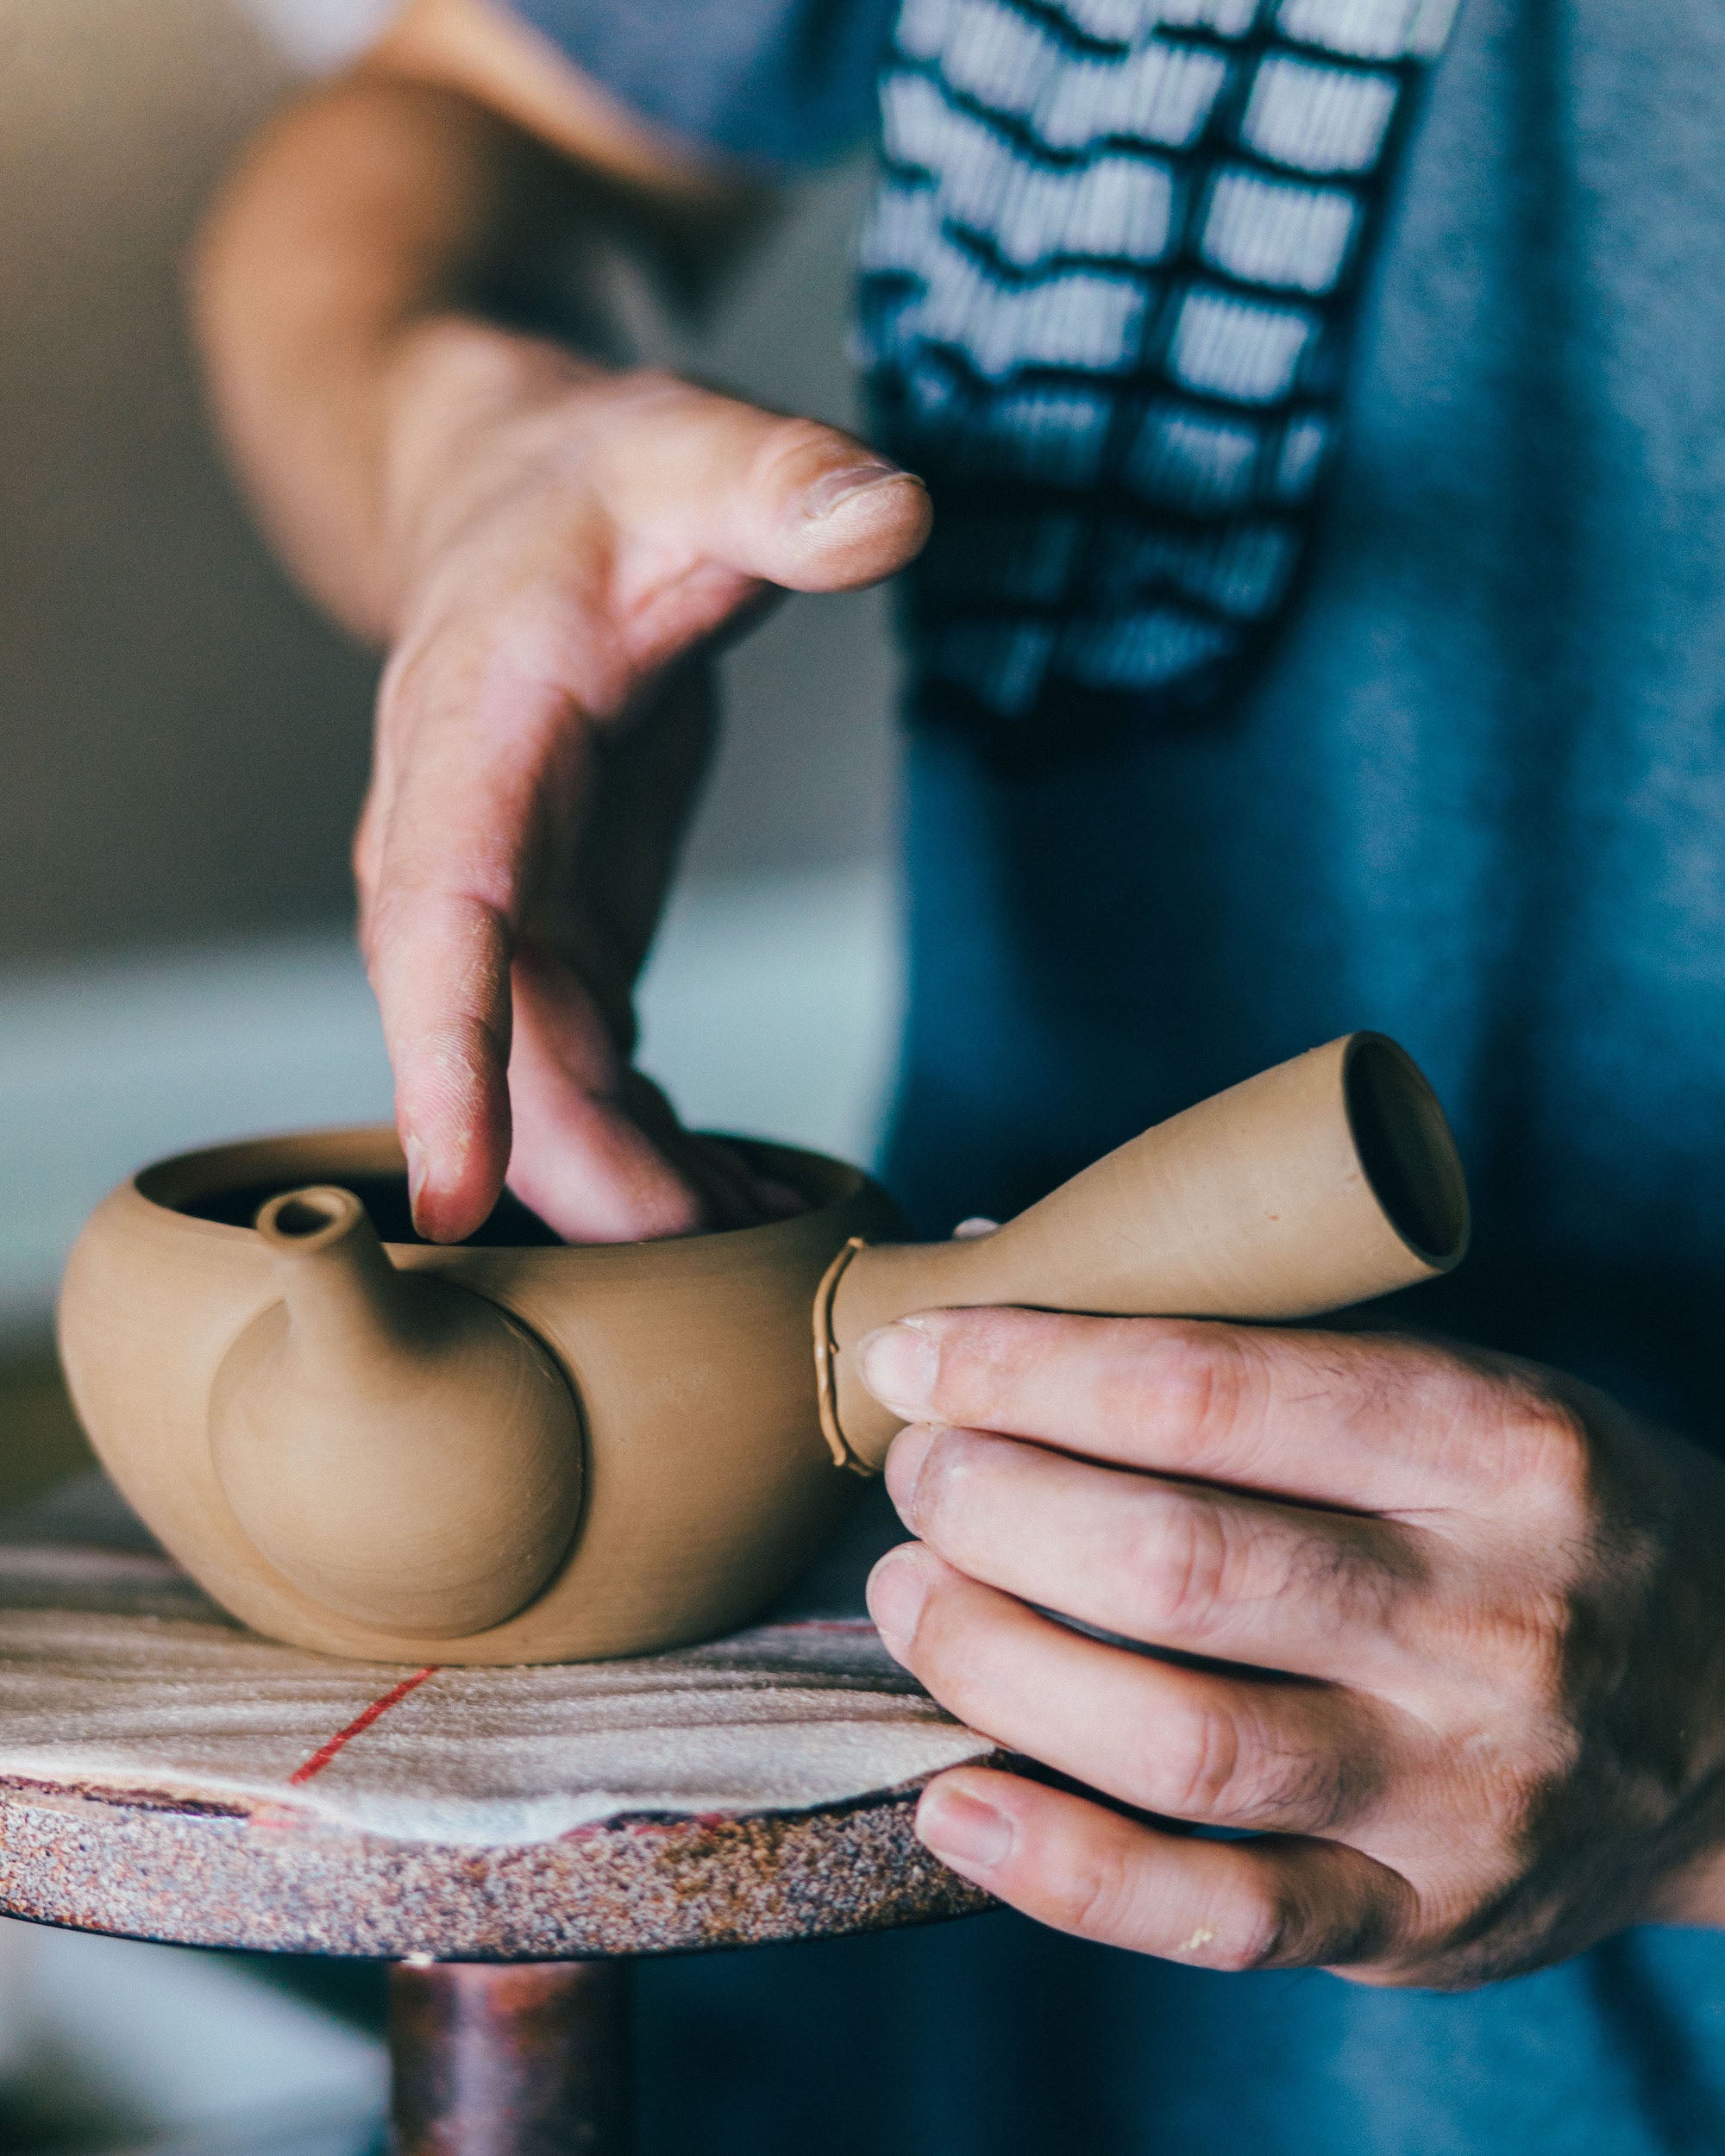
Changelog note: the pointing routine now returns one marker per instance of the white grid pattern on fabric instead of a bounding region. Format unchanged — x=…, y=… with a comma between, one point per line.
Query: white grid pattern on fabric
x=1192, y=460
x=1225, y=345
x=1004, y=662
x=1240, y=569
x=1268, y=231
x=1161, y=94
x=902, y=233
x=1305, y=445
x=1076, y=276
x=1119, y=205
x=988, y=50
x=1112, y=22
x=1086, y=319
x=1227, y=18
x=1317, y=119
x=1358, y=30
x=1132, y=22
x=1053, y=434
x=1141, y=650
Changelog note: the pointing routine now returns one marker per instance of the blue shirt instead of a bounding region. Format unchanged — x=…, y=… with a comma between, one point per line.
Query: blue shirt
x=1472, y=793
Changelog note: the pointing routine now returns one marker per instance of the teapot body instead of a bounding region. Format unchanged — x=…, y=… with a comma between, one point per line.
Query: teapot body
x=706, y=1483
x=680, y=1414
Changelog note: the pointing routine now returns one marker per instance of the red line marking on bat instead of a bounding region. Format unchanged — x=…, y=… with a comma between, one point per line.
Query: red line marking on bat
x=325, y=1753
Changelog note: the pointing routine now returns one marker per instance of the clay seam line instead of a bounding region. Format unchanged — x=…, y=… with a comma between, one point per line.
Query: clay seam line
x=362, y=1722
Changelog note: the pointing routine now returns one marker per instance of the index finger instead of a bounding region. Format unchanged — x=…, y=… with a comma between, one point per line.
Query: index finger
x=1370, y=1423
x=451, y=861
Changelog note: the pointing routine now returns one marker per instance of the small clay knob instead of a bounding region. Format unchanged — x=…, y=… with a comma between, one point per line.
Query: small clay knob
x=402, y=1451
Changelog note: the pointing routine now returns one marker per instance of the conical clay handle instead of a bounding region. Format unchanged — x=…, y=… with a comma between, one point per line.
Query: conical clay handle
x=1323, y=1182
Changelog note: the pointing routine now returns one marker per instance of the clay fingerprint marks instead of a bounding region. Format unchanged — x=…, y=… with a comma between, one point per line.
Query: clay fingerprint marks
x=1113, y=245
x=310, y=1768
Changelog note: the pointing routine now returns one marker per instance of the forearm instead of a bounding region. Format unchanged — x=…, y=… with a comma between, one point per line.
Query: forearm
x=345, y=294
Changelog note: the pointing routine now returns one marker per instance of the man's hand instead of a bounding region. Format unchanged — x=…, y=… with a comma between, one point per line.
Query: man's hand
x=572, y=543
x=548, y=550
x=1444, y=1632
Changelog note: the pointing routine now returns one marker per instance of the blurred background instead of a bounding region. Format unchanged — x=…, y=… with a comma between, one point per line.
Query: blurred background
x=183, y=746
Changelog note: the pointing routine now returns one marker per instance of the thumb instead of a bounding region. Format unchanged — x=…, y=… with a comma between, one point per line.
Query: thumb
x=789, y=500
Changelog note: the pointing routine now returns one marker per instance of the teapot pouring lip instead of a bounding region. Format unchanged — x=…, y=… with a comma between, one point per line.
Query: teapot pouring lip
x=309, y=1218
x=218, y=1191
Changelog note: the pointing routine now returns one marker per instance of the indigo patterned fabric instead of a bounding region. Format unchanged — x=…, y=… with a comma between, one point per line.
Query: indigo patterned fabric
x=1106, y=287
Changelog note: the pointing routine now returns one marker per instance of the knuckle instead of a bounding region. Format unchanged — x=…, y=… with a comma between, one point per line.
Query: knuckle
x=1547, y=1450
x=1230, y=1774
x=1199, y=1566
x=1095, y=1900
x=1181, y=1558
x=1284, y=1927
x=474, y=926
x=1354, y=1586
x=1535, y=1648
x=362, y=864
x=1202, y=1773
x=1209, y=1383
x=1265, y=1933
x=1519, y=1649
x=407, y=675
x=1547, y=1755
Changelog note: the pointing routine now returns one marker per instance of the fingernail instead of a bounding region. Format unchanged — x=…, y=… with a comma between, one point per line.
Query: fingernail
x=900, y=1365
x=969, y=1231
x=969, y=1834
x=833, y=489
x=897, y=1588
x=416, y=1175
x=903, y=1470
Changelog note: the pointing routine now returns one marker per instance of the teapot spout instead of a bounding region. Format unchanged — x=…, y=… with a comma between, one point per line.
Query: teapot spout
x=347, y=1304
x=401, y=1450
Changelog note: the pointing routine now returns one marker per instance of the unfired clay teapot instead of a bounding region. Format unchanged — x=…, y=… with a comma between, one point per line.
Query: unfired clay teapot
x=513, y=1451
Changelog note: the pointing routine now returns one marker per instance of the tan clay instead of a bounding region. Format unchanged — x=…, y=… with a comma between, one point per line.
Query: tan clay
x=528, y=1454
x=369, y=1382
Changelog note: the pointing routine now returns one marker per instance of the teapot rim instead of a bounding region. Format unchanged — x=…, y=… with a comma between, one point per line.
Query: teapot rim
x=327, y=1154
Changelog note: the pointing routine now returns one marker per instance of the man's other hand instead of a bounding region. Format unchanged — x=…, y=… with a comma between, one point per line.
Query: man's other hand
x=1443, y=1633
